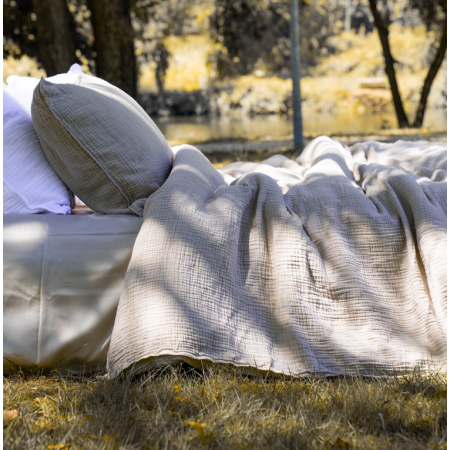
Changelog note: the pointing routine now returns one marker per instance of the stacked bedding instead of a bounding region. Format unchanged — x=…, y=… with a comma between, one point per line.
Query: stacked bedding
x=331, y=264
x=71, y=140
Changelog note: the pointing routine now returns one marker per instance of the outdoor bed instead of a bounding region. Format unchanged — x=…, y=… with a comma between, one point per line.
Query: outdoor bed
x=331, y=264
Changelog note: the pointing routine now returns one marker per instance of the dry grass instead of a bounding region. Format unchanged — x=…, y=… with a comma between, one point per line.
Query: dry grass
x=221, y=408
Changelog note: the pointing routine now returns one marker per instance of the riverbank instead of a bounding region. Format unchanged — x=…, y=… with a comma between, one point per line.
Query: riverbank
x=349, y=83
x=351, y=80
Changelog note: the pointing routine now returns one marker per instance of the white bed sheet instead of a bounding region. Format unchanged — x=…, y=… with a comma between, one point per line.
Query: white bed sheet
x=62, y=280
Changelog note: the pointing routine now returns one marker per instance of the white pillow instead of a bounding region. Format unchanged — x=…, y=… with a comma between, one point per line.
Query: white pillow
x=21, y=88
x=30, y=185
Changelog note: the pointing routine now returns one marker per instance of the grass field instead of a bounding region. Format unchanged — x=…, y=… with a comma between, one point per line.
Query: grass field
x=219, y=408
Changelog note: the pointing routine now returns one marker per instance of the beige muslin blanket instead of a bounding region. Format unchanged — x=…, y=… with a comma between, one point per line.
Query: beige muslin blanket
x=332, y=264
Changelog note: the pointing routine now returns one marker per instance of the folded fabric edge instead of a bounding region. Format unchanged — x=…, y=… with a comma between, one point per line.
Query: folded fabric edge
x=169, y=358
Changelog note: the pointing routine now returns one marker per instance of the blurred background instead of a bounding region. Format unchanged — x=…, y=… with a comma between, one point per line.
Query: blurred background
x=219, y=70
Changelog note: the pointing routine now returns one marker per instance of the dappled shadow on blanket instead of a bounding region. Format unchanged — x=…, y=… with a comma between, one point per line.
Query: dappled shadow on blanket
x=324, y=280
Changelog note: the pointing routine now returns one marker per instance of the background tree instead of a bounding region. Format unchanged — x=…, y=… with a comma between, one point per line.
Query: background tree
x=96, y=33
x=19, y=29
x=114, y=43
x=430, y=11
x=43, y=29
x=162, y=64
x=154, y=21
x=252, y=31
x=248, y=36
x=434, y=14
x=56, y=36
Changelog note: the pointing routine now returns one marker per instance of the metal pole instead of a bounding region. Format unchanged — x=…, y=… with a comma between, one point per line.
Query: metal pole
x=348, y=13
x=296, y=96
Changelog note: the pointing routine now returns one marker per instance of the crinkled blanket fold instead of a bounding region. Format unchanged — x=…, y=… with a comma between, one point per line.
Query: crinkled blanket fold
x=332, y=264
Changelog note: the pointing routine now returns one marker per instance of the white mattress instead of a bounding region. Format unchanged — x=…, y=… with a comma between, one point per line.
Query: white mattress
x=62, y=280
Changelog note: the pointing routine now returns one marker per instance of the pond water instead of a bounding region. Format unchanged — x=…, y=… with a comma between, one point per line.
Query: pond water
x=194, y=130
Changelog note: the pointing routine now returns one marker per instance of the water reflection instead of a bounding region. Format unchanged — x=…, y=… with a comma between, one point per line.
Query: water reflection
x=201, y=129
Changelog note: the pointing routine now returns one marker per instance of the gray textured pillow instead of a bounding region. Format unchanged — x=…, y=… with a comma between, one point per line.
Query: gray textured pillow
x=101, y=143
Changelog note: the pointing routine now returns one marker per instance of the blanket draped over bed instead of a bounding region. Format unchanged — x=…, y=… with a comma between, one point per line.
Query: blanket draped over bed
x=332, y=264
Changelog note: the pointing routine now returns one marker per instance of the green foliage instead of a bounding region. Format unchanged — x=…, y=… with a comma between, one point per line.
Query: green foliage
x=432, y=12
x=19, y=29
x=154, y=20
x=20, y=33
x=84, y=44
x=253, y=32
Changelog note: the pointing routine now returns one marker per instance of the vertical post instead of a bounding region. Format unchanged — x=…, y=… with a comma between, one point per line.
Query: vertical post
x=296, y=95
x=348, y=13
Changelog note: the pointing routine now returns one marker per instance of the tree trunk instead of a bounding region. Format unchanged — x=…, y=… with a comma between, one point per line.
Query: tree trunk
x=55, y=34
x=383, y=32
x=114, y=43
x=431, y=75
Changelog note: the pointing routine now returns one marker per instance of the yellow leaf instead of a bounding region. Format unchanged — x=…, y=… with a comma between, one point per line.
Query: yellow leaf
x=440, y=394
x=200, y=427
x=177, y=388
x=57, y=446
x=9, y=415
x=342, y=444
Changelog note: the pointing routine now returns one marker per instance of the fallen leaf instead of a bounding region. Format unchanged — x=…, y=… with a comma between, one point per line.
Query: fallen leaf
x=9, y=415
x=440, y=394
x=57, y=446
x=342, y=444
x=200, y=427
